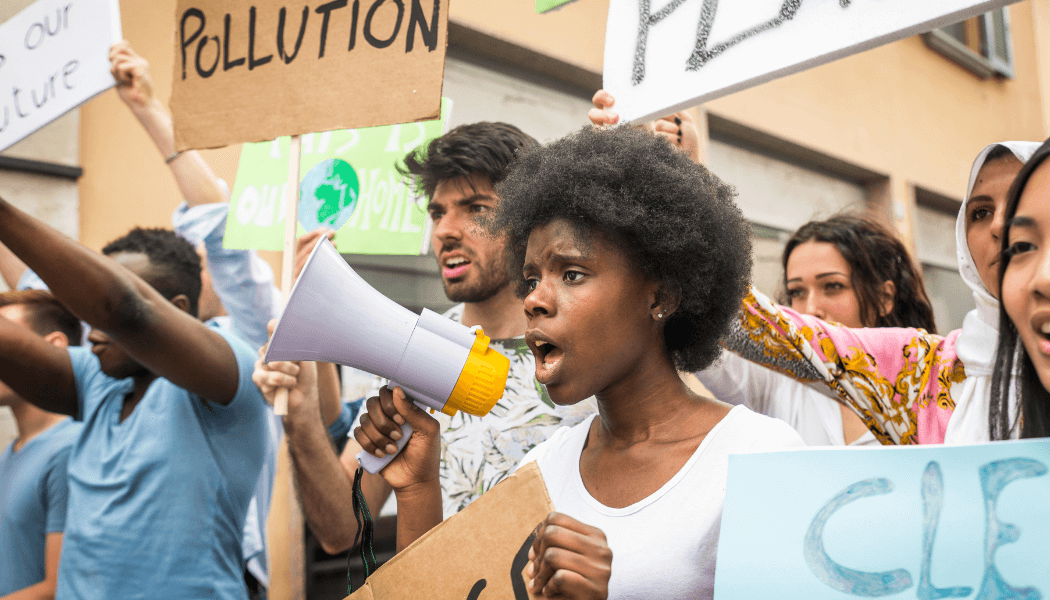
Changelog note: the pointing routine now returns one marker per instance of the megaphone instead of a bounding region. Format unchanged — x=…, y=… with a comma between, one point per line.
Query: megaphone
x=333, y=315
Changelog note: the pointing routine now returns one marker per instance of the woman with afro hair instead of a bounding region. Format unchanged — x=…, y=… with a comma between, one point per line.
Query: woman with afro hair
x=632, y=261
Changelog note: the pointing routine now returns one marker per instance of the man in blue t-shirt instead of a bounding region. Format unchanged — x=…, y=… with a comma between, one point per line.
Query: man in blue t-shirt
x=174, y=430
x=33, y=486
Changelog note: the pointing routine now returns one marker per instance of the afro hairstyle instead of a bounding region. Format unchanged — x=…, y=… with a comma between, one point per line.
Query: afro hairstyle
x=676, y=221
x=484, y=148
x=175, y=264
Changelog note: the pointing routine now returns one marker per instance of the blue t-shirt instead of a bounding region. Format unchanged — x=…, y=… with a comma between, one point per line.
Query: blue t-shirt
x=160, y=499
x=32, y=503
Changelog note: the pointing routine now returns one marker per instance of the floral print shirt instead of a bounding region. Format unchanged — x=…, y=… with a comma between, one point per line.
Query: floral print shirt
x=479, y=452
x=899, y=381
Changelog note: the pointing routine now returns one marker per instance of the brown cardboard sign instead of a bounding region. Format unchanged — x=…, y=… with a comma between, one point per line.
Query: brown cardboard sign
x=255, y=70
x=477, y=554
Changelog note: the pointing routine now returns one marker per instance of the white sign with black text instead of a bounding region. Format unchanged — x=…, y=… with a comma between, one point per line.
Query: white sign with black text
x=54, y=56
x=665, y=55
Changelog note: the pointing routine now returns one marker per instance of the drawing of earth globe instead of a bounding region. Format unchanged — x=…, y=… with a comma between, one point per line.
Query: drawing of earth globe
x=328, y=195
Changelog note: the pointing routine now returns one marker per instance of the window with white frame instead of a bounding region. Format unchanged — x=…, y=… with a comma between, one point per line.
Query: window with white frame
x=981, y=44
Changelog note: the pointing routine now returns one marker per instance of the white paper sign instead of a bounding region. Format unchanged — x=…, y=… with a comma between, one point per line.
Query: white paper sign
x=662, y=56
x=54, y=56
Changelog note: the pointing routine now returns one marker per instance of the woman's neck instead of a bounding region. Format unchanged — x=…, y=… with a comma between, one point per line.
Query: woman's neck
x=652, y=402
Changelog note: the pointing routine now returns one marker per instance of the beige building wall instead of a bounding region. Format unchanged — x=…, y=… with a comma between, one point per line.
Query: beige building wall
x=902, y=115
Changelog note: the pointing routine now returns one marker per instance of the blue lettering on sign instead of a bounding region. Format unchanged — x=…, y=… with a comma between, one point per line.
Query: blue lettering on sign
x=932, y=499
x=843, y=579
x=994, y=477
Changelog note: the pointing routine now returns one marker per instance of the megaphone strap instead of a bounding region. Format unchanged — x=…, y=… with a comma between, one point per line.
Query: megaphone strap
x=364, y=533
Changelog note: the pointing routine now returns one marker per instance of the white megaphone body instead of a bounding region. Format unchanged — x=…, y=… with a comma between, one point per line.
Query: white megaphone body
x=333, y=315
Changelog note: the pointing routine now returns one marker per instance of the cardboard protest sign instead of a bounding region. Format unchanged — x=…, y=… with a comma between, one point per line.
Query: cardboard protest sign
x=899, y=522
x=477, y=553
x=54, y=56
x=254, y=70
x=665, y=55
x=349, y=183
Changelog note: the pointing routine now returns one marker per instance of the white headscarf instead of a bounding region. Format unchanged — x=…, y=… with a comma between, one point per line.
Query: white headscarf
x=980, y=331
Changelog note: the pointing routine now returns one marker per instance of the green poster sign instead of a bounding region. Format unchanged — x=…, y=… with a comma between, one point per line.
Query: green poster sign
x=349, y=183
x=543, y=6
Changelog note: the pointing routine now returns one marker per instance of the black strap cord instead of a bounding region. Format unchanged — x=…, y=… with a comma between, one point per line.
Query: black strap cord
x=364, y=533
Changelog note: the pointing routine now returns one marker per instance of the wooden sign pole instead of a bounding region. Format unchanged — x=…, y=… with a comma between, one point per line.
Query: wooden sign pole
x=284, y=524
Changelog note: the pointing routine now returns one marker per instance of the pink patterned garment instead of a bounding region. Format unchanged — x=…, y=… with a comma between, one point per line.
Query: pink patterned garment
x=899, y=381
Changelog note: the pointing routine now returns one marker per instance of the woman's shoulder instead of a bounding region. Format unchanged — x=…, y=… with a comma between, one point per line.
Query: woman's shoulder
x=563, y=440
x=744, y=430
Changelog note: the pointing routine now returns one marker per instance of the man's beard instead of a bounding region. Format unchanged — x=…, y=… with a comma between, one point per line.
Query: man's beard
x=490, y=280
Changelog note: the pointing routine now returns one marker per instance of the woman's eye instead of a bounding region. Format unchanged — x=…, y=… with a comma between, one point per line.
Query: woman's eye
x=980, y=213
x=531, y=283
x=796, y=293
x=1019, y=248
x=573, y=276
x=835, y=286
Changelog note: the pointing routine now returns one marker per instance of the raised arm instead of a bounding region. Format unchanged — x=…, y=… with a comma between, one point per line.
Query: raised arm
x=151, y=329
x=893, y=378
x=37, y=370
x=11, y=267
x=194, y=177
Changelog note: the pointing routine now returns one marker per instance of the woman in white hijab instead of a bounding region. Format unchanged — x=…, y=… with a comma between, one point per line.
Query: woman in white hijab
x=907, y=385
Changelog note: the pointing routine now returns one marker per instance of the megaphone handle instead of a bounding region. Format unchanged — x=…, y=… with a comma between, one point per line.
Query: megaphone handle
x=280, y=402
x=373, y=464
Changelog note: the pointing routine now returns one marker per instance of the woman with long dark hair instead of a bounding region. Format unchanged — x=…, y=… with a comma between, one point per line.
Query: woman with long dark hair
x=909, y=386
x=1020, y=405
x=847, y=270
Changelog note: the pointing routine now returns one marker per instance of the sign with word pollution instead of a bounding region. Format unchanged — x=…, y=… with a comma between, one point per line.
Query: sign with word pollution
x=662, y=56
x=897, y=522
x=477, y=553
x=254, y=70
x=54, y=56
x=349, y=184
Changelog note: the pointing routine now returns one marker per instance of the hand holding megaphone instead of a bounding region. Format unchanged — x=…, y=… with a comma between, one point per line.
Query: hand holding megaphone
x=333, y=315
x=383, y=437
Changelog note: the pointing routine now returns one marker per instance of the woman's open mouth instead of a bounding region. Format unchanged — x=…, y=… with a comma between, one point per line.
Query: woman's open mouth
x=548, y=356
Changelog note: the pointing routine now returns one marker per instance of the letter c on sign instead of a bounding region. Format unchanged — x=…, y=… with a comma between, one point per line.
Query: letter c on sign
x=857, y=583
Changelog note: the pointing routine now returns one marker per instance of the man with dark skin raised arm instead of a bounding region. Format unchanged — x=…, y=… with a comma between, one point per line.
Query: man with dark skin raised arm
x=174, y=430
x=457, y=172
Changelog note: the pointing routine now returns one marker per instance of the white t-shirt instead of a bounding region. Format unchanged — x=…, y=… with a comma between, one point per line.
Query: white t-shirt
x=665, y=545
x=815, y=416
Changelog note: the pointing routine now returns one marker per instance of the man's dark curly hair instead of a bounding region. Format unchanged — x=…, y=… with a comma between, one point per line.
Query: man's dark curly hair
x=485, y=149
x=676, y=221
x=175, y=264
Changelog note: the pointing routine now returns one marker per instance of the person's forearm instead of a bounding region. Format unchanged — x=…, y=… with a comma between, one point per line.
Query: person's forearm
x=45, y=590
x=328, y=391
x=11, y=267
x=195, y=179
x=93, y=287
x=324, y=489
x=418, y=511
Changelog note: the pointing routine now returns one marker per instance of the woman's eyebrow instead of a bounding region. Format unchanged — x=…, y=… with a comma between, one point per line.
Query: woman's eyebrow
x=1026, y=222
x=981, y=198
x=830, y=273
